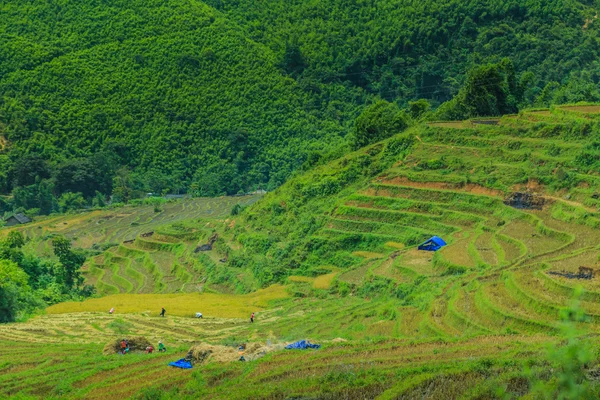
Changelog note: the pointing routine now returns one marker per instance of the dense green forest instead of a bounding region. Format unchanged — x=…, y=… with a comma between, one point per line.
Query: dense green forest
x=28, y=282
x=403, y=50
x=127, y=97
x=175, y=92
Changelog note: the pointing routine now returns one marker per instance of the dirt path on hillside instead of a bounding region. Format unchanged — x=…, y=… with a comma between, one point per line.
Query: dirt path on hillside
x=571, y=203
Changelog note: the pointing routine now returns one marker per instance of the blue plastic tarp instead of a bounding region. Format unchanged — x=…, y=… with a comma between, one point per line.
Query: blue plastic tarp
x=181, y=364
x=433, y=244
x=303, y=344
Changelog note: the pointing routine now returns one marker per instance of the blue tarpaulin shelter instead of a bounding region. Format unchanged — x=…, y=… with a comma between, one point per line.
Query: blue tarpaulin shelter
x=181, y=364
x=433, y=244
x=303, y=344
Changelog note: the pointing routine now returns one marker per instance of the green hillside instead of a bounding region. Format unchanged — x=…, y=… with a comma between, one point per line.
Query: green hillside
x=448, y=179
x=491, y=315
x=404, y=50
x=172, y=90
x=214, y=97
x=374, y=126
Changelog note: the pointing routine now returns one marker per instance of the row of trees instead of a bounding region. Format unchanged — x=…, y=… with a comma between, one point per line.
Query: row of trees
x=489, y=90
x=41, y=187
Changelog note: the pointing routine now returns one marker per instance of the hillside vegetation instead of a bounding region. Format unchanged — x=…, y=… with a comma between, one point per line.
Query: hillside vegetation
x=448, y=179
x=131, y=97
x=404, y=50
x=491, y=315
x=173, y=90
x=374, y=125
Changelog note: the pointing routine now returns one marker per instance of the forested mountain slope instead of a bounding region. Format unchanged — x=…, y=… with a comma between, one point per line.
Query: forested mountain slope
x=175, y=89
x=405, y=49
x=129, y=97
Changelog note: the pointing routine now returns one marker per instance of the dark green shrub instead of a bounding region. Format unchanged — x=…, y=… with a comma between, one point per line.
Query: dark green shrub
x=377, y=122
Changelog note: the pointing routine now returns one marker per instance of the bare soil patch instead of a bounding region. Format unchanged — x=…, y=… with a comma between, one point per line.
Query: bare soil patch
x=536, y=242
x=418, y=261
x=369, y=255
x=395, y=245
x=458, y=253
x=356, y=275
x=572, y=264
x=485, y=249
x=511, y=250
x=389, y=270
x=451, y=124
x=324, y=281
x=582, y=109
x=469, y=187
x=546, y=113
x=301, y=279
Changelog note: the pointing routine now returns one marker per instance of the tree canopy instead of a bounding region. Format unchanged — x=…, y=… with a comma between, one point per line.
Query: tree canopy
x=124, y=98
x=28, y=282
x=377, y=122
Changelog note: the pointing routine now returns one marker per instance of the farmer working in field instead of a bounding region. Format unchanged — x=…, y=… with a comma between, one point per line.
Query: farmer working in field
x=161, y=347
x=198, y=315
x=162, y=312
x=149, y=349
x=124, y=346
x=252, y=318
x=112, y=310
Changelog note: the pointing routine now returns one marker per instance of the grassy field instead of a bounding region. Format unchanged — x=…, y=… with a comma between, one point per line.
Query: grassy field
x=183, y=305
x=382, y=370
x=478, y=319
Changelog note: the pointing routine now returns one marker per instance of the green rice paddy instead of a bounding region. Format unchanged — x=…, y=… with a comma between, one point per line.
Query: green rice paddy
x=465, y=322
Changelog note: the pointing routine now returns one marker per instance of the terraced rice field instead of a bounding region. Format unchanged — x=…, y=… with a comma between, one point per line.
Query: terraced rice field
x=457, y=323
x=184, y=305
x=74, y=371
x=126, y=223
x=81, y=371
x=501, y=256
x=148, y=251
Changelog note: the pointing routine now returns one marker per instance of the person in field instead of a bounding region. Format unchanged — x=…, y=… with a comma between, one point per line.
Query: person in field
x=123, y=346
x=198, y=315
x=161, y=347
x=112, y=310
x=252, y=318
x=162, y=312
x=149, y=349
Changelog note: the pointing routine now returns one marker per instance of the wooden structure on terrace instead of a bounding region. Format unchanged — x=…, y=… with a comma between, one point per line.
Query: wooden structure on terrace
x=17, y=219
